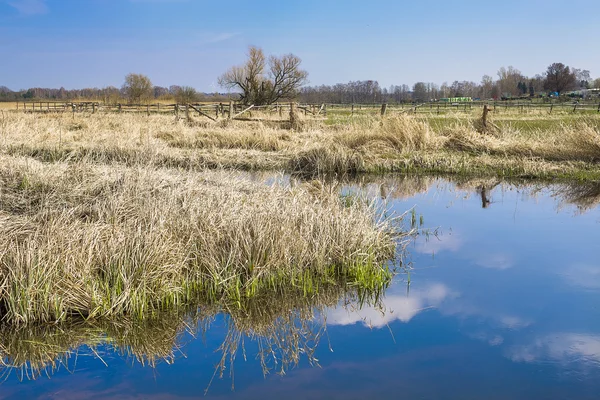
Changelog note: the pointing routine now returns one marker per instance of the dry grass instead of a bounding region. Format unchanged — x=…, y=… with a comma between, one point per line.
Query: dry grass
x=530, y=147
x=102, y=240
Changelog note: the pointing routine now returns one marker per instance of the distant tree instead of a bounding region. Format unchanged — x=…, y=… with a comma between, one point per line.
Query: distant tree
x=487, y=83
x=559, y=78
x=110, y=95
x=582, y=77
x=522, y=86
x=186, y=95
x=445, y=90
x=263, y=81
x=597, y=84
x=531, y=88
x=159, y=91
x=508, y=80
x=419, y=91
x=495, y=92
x=138, y=88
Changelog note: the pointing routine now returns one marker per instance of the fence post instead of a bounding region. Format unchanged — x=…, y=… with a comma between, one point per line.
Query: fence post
x=93, y=108
x=352, y=114
x=293, y=116
x=325, y=109
x=484, y=117
x=230, y=109
x=575, y=107
x=599, y=107
x=383, y=109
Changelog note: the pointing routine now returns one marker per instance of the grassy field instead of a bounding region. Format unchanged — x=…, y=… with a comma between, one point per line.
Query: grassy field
x=530, y=146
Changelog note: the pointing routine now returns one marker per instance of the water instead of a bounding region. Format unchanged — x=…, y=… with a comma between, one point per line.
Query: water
x=503, y=303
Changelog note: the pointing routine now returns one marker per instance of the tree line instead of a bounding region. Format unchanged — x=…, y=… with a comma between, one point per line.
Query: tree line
x=509, y=84
x=265, y=80
x=113, y=95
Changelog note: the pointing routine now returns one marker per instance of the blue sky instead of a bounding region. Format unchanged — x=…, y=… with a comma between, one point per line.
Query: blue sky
x=95, y=43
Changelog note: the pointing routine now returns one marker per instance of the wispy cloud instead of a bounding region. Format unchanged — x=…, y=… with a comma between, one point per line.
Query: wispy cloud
x=221, y=37
x=561, y=347
x=583, y=275
x=28, y=7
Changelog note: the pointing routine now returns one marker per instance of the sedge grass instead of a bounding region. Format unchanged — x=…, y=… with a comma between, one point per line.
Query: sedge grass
x=105, y=240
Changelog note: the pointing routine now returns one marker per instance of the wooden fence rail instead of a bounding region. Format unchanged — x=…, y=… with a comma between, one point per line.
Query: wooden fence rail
x=216, y=111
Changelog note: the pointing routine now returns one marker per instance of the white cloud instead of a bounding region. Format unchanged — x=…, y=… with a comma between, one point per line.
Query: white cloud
x=395, y=308
x=513, y=322
x=561, y=347
x=584, y=276
x=29, y=7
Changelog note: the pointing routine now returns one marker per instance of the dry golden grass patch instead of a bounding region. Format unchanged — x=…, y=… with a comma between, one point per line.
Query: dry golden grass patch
x=362, y=144
x=105, y=240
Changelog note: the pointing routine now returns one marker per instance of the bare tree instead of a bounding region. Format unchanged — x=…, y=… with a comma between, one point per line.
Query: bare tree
x=265, y=82
x=487, y=84
x=185, y=95
x=583, y=78
x=559, y=78
x=508, y=81
x=138, y=88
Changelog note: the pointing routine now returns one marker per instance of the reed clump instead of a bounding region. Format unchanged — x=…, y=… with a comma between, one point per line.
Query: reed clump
x=399, y=132
x=326, y=160
x=101, y=240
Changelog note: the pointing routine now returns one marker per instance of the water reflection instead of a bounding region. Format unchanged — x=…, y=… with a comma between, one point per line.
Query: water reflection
x=561, y=347
x=584, y=196
x=281, y=323
x=393, y=307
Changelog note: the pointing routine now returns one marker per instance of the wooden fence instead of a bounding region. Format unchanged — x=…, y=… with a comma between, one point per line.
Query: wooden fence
x=216, y=111
x=464, y=107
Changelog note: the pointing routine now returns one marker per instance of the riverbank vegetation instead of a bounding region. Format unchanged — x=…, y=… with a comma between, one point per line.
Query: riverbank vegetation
x=286, y=324
x=531, y=146
x=81, y=239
